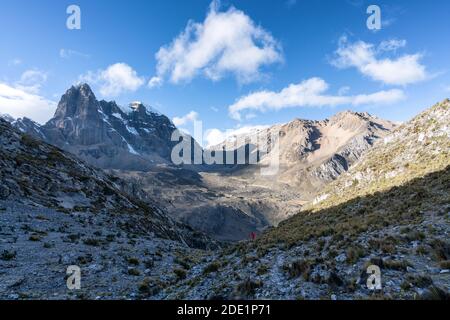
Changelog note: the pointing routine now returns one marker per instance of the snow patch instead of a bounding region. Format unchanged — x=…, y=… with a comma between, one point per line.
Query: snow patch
x=320, y=198
x=118, y=116
x=131, y=149
x=132, y=130
x=148, y=109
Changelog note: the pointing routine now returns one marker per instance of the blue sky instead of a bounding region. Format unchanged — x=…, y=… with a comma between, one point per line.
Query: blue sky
x=236, y=64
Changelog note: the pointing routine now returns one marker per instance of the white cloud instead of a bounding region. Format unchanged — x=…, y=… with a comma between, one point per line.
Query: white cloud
x=190, y=117
x=33, y=77
x=309, y=93
x=155, y=82
x=225, y=43
x=213, y=137
x=69, y=53
x=391, y=45
x=31, y=81
x=403, y=70
x=23, y=98
x=115, y=80
x=20, y=103
x=343, y=90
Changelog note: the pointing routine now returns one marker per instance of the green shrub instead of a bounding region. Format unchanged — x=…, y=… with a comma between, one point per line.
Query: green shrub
x=422, y=250
x=415, y=236
x=180, y=273
x=134, y=272
x=149, y=263
x=400, y=265
x=34, y=237
x=354, y=253
x=298, y=268
x=133, y=261
x=419, y=281
x=263, y=269
x=92, y=242
x=185, y=264
x=8, y=255
x=247, y=288
x=150, y=286
x=436, y=293
x=212, y=267
x=441, y=249
x=445, y=264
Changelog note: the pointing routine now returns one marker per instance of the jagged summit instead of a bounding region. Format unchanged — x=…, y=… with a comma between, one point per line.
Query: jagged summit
x=140, y=107
x=105, y=135
x=137, y=106
x=78, y=101
x=312, y=152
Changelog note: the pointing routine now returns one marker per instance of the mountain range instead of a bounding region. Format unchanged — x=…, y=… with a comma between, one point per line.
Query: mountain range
x=95, y=187
x=104, y=134
x=227, y=202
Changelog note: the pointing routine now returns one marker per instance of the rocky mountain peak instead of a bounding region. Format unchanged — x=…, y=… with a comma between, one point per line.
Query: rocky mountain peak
x=78, y=101
x=104, y=133
x=312, y=153
x=137, y=110
x=137, y=106
x=141, y=110
x=348, y=116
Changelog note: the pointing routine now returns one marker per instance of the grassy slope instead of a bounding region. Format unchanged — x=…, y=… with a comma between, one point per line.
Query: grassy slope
x=396, y=183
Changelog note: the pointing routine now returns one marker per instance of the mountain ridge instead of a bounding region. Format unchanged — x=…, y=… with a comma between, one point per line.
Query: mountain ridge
x=313, y=152
x=103, y=134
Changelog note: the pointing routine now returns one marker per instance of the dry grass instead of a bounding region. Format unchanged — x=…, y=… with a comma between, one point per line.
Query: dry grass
x=371, y=213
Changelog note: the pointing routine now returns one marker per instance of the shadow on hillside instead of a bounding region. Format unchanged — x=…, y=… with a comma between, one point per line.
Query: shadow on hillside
x=405, y=205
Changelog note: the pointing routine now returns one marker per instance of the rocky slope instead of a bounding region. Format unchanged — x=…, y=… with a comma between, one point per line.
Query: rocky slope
x=37, y=174
x=417, y=148
x=391, y=210
x=57, y=211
